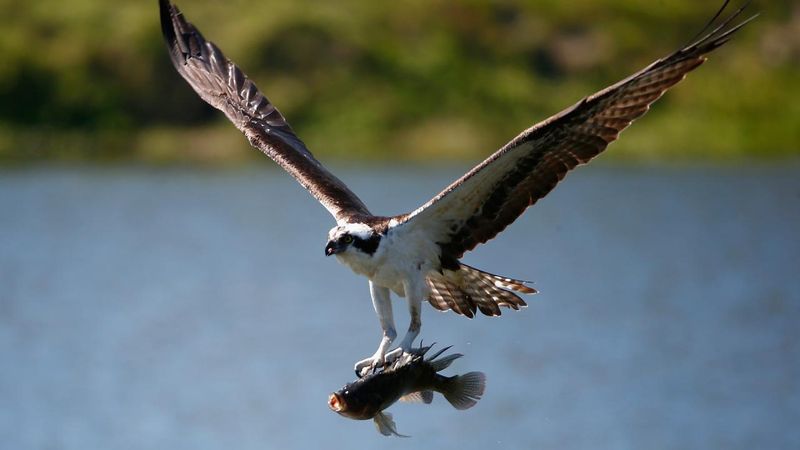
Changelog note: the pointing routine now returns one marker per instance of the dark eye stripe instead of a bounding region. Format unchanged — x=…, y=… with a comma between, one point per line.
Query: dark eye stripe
x=368, y=246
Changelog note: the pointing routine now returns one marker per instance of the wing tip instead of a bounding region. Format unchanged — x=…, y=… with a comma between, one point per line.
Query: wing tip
x=720, y=32
x=166, y=12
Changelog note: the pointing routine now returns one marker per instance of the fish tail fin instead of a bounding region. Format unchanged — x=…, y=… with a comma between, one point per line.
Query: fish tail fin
x=464, y=391
x=385, y=425
x=443, y=363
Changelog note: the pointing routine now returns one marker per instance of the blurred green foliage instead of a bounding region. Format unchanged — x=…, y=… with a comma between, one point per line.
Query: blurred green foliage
x=91, y=80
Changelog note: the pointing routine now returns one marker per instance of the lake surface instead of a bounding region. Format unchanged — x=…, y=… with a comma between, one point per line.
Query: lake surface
x=192, y=309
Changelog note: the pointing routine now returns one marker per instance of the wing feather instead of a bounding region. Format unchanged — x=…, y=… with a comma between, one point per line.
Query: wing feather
x=482, y=203
x=224, y=86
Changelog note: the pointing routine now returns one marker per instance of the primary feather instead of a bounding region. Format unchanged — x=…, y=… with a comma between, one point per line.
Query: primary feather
x=482, y=203
x=224, y=86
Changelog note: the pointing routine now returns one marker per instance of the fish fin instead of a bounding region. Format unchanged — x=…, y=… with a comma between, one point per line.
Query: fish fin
x=385, y=425
x=439, y=352
x=418, y=397
x=464, y=391
x=441, y=364
x=422, y=349
x=427, y=397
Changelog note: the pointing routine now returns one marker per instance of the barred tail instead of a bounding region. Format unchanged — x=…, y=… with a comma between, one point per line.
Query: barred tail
x=468, y=289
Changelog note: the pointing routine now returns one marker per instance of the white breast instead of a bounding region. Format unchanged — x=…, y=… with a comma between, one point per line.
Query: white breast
x=400, y=256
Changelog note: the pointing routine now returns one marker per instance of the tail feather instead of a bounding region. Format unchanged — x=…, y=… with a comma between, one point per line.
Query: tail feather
x=445, y=295
x=464, y=391
x=467, y=290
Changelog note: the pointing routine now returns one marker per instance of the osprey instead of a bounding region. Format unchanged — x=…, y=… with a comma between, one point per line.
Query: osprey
x=416, y=255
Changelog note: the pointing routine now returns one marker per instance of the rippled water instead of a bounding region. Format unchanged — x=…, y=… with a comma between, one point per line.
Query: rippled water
x=182, y=309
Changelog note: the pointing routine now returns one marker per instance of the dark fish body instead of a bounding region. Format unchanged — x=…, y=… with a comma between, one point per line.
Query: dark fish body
x=411, y=378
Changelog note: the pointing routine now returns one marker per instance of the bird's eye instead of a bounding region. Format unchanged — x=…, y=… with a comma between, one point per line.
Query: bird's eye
x=347, y=239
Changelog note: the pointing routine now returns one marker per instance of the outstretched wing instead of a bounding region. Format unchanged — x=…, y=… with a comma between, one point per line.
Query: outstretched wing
x=491, y=196
x=224, y=86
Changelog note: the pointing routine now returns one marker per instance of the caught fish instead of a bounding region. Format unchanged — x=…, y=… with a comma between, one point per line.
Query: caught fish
x=411, y=378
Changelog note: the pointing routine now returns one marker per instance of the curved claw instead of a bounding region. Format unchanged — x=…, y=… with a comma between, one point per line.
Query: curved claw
x=394, y=355
x=377, y=362
x=369, y=365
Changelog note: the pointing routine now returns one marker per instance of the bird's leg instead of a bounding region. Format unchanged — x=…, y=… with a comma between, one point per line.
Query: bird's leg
x=382, y=303
x=414, y=295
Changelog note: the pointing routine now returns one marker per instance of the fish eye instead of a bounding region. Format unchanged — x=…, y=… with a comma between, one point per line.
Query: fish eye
x=347, y=239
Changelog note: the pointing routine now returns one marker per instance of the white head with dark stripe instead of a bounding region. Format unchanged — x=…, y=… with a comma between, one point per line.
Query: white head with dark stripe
x=344, y=240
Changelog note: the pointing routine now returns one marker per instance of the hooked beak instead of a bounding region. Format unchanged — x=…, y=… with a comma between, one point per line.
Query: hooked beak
x=330, y=249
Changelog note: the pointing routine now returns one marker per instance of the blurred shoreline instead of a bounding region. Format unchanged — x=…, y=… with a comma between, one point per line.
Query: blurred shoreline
x=222, y=145
x=452, y=81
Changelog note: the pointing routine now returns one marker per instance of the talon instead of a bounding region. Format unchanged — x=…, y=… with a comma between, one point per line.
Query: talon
x=394, y=355
x=382, y=359
x=370, y=365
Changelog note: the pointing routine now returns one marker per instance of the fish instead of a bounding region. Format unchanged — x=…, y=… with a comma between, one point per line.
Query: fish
x=410, y=378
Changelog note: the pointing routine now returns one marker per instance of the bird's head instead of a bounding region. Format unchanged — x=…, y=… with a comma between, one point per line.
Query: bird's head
x=352, y=236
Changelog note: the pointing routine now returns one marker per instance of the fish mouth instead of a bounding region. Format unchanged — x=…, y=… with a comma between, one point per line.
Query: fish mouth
x=336, y=403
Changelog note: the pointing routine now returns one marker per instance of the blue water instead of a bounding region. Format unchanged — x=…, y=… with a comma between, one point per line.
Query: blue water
x=192, y=309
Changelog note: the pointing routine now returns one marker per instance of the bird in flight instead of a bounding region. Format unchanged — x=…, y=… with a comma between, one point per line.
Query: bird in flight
x=416, y=255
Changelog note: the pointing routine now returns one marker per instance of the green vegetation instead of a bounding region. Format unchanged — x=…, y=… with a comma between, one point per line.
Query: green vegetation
x=89, y=80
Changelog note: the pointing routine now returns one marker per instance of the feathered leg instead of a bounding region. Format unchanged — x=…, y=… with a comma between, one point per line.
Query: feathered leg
x=415, y=293
x=382, y=303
